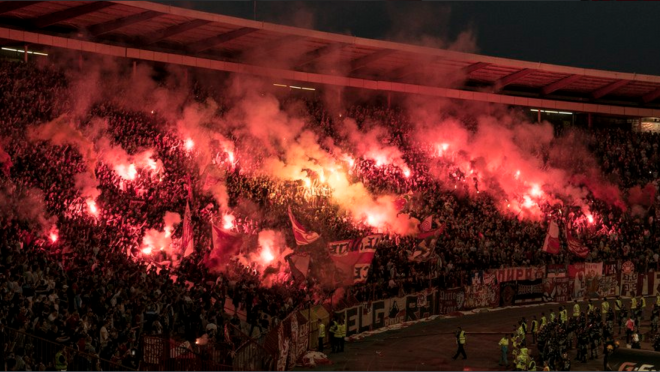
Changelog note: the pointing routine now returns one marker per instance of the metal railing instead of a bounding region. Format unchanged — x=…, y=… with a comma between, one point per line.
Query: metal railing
x=40, y=350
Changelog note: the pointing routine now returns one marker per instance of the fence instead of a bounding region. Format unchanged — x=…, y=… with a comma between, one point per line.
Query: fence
x=234, y=352
x=42, y=350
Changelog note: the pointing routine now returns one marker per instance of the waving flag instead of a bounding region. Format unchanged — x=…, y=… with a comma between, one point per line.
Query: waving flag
x=303, y=237
x=299, y=263
x=551, y=243
x=426, y=224
x=187, y=243
x=225, y=245
x=575, y=246
x=353, y=257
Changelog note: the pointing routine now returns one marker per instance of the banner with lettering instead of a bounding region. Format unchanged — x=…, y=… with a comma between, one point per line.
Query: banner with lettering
x=578, y=281
x=508, y=291
x=556, y=289
x=450, y=300
x=482, y=295
x=518, y=273
x=629, y=283
x=608, y=286
x=529, y=291
x=393, y=311
x=655, y=288
x=610, y=268
x=593, y=272
x=353, y=258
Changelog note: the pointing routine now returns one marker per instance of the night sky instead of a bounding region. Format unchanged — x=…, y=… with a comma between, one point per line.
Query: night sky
x=618, y=36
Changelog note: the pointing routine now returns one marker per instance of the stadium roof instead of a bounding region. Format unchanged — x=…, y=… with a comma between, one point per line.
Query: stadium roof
x=150, y=31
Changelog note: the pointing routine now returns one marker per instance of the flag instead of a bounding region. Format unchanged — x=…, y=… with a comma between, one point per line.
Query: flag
x=435, y=232
x=187, y=243
x=426, y=224
x=575, y=246
x=190, y=189
x=303, y=237
x=551, y=243
x=299, y=263
x=353, y=257
x=421, y=253
x=225, y=245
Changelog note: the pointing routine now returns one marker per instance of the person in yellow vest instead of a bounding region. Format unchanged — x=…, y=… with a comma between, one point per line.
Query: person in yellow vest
x=563, y=313
x=552, y=315
x=521, y=334
x=332, y=331
x=590, y=307
x=321, y=335
x=522, y=359
x=340, y=334
x=544, y=321
x=633, y=304
x=531, y=366
x=642, y=307
x=618, y=305
x=60, y=360
x=535, y=330
x=576, y=309
x=460, y=341
x=604, y=308
x=504, y=347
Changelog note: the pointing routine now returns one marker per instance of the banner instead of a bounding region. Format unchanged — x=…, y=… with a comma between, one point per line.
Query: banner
x=608, y=286
x=578, y=281
x=450, y=300
x=551, y=243
x=628, y=284
x=353, y=258
x=593, y=272
x=389, y=312
x=529, y=291
x=477, y=295
x=610, y=268
x=303, y=237
x=556, y=289
x=508, y=291
x=556, y=271
x=518, y=273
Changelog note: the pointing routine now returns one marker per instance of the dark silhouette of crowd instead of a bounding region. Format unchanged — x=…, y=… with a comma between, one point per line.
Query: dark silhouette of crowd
x=86, y=289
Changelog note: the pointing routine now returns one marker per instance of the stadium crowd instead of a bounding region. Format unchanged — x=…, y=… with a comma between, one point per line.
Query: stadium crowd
x=83, y=287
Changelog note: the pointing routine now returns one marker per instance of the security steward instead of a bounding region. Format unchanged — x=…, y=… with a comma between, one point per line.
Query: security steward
x=460, y=341
x=535, y=330
x=332, y=330
x=321, y=335
x=604, y=308
x=576, y=310
x=340, y=334
x=60, y=360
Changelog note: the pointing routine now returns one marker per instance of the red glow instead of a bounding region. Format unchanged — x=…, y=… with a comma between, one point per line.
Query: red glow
x=266, y=255
x=189, y=144
x=146, y=251
x=445, y=147
x=517, y=174
x=91, y=204
x=528, y=202
x=406, y=172
x=230, y=156
x=228, y=222
x=590, y=218
x=53, y=237
x=536, y=191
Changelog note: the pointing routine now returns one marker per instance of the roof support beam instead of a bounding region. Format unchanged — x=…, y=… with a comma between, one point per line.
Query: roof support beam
x=174, y=30
x=601, y=92
x=559, y=84
x=651, y=96
x=370, y=58
x=10, y=6
x=214, y=41
x=105, y=27
x=512, y=78
x=321, y=52
x=66, y=14
x=474, y=67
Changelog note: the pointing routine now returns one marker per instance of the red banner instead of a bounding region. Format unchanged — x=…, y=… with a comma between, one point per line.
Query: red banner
x=450, y=300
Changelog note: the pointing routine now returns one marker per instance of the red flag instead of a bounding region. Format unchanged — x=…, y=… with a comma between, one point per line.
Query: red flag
x=353, y=258
x=575, y=246
x=436, y=232
x=426, y=224
x=299, y=263
x=303, y=237
x=225, y=245
x=551, y=243
x=190, y=189
x=187, y=243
